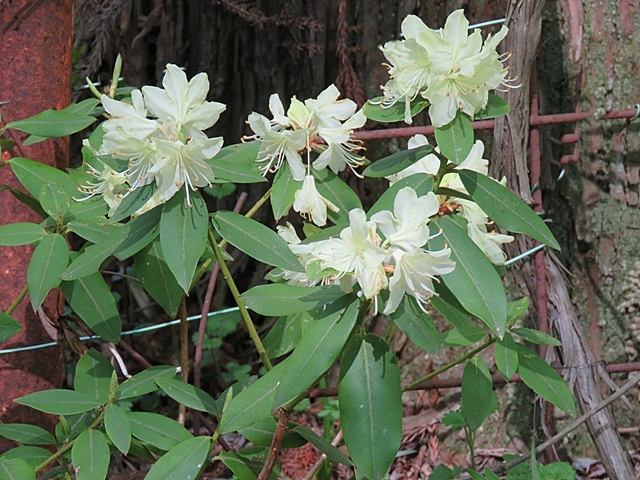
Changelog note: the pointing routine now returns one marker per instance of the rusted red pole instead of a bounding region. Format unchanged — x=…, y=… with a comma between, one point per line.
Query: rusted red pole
x=35, y=75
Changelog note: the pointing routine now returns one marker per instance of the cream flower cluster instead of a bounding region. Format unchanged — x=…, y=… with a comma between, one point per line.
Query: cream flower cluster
x=488, y=242
x=360, y=255
x=169, y=149
x=452, y=70
x=291, y=136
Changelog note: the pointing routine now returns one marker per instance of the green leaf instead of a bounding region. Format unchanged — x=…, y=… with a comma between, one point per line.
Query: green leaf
x=157, y=430
x=229, y=170
x=93, y=375
x=282, y=299
x=187, y=394
x=242, y=468
x=477, y=392
x=516, y=309
x=420, y=182
x=144, y=382
x=417, y=325
x=317, y=351
x=333, y=454
x=474, y=281
x=16, y=234
x=183, y=235
x=26, y=434
x=496, y=107
x=465, y=332
x=455, y=419
x=92, y=301
x=140, y=232
x=534, y=336
x=286, y=333
x=34, y=174
x=506, y=208
x=88, y=210
x=132, y=202
x=49, y=260
x=82, y=108
x=397, y=162
x=283, y=192
x=117, y=426
x=32, y=456
x=94, y=231
x=53, y=123
x=253, y=404
x=182, y=462
x=59, y=402
x=544, y=380
x=558, y=471
x=489, y=475
x=256, y=240
x=474, y=475
x=370, y=404
x=54, y=199
x=90, y=260
x=455, y=139
x=8, y=327
x=394, y=113
x=262, y=433
x=90, y=456
x=331, y=187
x=442, y=472
x=244, y=154
x=16, y=469
x=157, y=279
x=506, y=356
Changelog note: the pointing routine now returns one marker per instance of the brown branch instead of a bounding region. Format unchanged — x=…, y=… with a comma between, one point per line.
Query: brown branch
x=281, y=428
x=347, y=79
x=316, y=466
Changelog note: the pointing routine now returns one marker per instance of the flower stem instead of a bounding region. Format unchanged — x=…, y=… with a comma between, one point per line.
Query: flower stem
x=17, y=301
x=451, y=364
x=253, y=333
x=66, y=447
x=258, y=204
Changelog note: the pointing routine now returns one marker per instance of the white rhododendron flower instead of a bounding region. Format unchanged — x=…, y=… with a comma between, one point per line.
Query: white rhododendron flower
x=111, y=185
x=169, y=149
x=310, y=204
x=489, y=243
x=454, y=71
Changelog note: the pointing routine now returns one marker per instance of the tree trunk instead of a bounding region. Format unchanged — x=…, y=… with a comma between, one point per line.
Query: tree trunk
x=36, y=75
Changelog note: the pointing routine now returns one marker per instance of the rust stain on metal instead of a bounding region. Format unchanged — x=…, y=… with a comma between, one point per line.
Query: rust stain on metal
x=35, y=68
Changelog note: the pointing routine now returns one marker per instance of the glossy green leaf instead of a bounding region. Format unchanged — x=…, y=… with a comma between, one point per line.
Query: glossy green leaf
x=187, y=394
x=183, y=235
x=93, y=375
x=281, y=299
x=59, y=402
x=140, y=232
x=15, y=234
x=456, y=138
x=95, y=232
x=230, y=171
x=534, y=336
x=253, y=404
x=334, y=189
x=516, y=309
x=133, y=201
x=34, y=174
x=82, y=108
x=394, y=113
x=157, y=430
x=90, y=260
x=317, y=351
x=53, y=123
x=256, y=240
x=26, y=434
x=397, y=162
x=283, y=192
x=182, y=462
x=91, y=299
x=16, y=469
x=8, y=327
x=477, y=392
x=144, y=382
x=54, y=199
x=49, y=260
x=544, y=380
x=90, y=456
x=117, y=426
x=32, y=456
x=417, y=325
x=242, y=468
x=506, y=208
x=496, y=107
x=87, y=210
x=244, y=154
x=286, y=333
x=506, y=356
x=333, y=454
x=370, y=404
x=465, y=332
x=156, y=278
x=474, y=281
x=420, y=182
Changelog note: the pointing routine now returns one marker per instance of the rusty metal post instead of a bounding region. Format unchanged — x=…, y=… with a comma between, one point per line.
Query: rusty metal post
x=35, y=75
